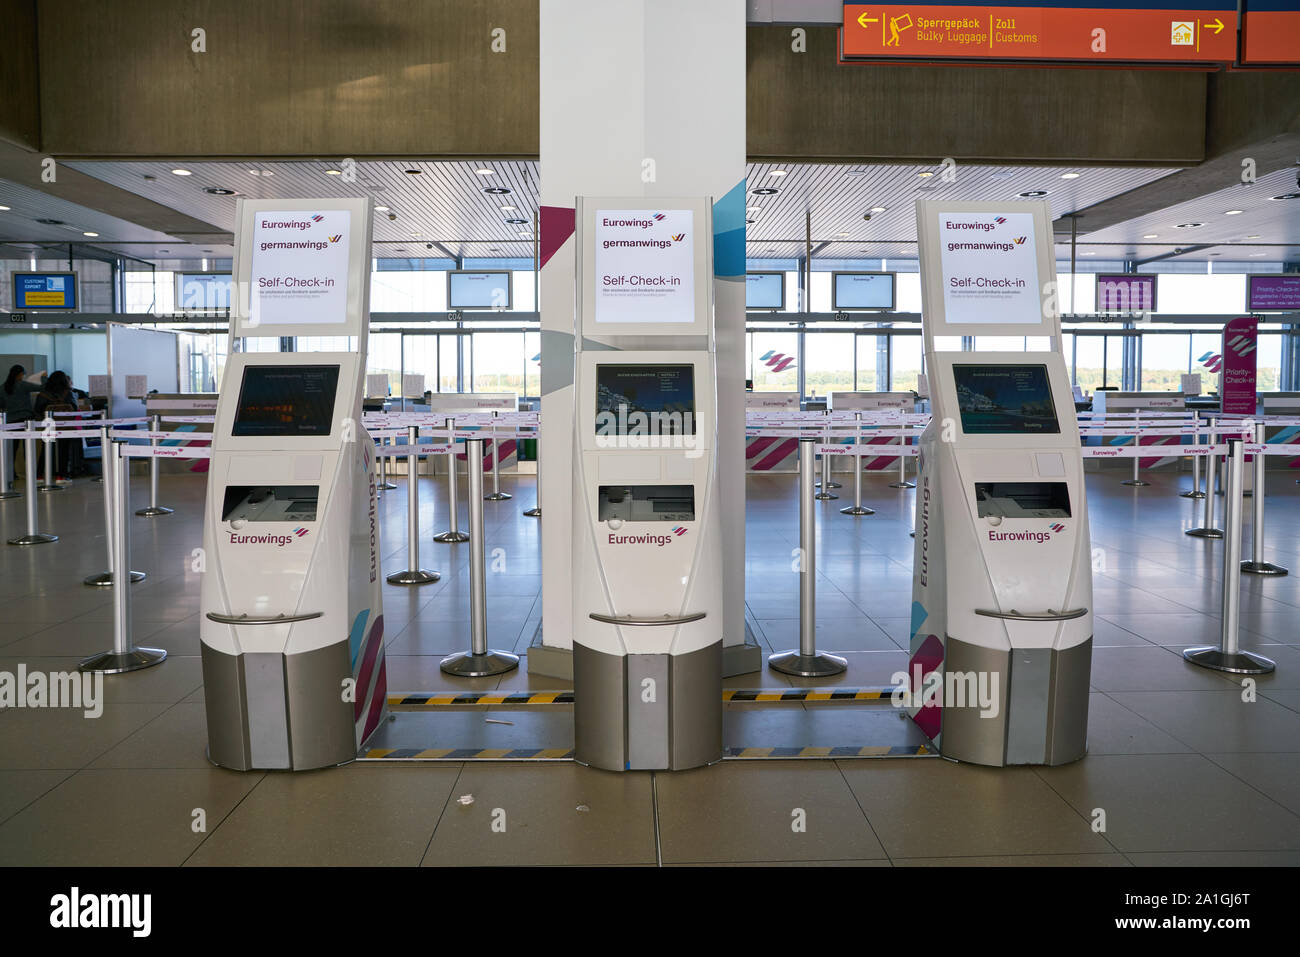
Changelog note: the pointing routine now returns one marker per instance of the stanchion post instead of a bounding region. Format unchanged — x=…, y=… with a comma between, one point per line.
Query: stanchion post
x=454, y=535
x=496, y=495
x=479, y=661
x=123, y=656
x=1257, y=565
x=857, y=508
x=33, y=537
x=49, y=485
x=536, y=510
x=1228, y=656
x=104, y=579
x=5, y=490
x=153, y=508
x=1135, y=481
x=414, y=574
x=1207, y=529
x=1196, y=467
x=902, y=461
x=805, y=662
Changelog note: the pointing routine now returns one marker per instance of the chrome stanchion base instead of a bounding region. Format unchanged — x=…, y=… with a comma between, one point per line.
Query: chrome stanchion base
x=149, y=511
x=830, y=485
x=857, y=510
x=1262, y=568
x=534, y=512
x=823, y=496
x=4, y=495
x=1204, y=532
x=416, y=576
x=385, y=486
x=1196, y=494
x=466, y=664
x=807, y=666
x=1241, y=663
x=451, y=538
x=36, y=538
x=115, y=663
x=1134, y=482
x=497, y=496
x=106, y=578
x=50, y=488
x=901, y=485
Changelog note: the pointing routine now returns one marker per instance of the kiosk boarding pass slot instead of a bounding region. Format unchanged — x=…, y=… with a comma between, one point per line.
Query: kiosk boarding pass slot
x=270, y=503
x=997, y=500
x=646, y=503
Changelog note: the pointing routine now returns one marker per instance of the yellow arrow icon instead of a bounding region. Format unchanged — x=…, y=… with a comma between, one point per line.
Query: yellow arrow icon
x=864, y=20
x=1216, y=26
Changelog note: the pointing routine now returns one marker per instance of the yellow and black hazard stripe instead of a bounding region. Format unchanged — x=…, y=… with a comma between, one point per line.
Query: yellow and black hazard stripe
x=467, y=754
x=808, y=694
x=445, y=699
x=878, y=751
x=415, y=700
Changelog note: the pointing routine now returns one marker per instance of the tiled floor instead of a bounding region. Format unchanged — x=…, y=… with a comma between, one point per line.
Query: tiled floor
x=1184, y=770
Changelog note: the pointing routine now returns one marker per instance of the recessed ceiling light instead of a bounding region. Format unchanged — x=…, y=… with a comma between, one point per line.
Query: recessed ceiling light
x=1286, y=196
x=841, y=235
x=381, y=209
x=1216, y=254
x=777, y=172
x=765, y=191
x=485, y=172
x=334, y=172
x=164, y=250
x=4, y=209
x=508, y=209
x=1233, y=212
x=412, y=172
x=90, y=234
x=1070, y=175
x=494, y=249
x=1150, y=235
x=207, y=250
x=880, y=209
x=181, y=172
x=1190, y=225
x=1253, y=236
x=1257, y=255
x=219, y=191
x=516, y=221
x=1032, y=193
x=925, y=174
x=753, y=209
x=497, y=190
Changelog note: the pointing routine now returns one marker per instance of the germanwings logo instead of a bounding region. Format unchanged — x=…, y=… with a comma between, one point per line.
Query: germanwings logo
x=1242, y=345
x=335, y=239
x=678, y=237
x=776, y=361
x=1212, y=361
x=1020, y=240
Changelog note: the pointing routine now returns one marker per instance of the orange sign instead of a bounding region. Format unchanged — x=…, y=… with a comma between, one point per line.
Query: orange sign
x=1039, y=33
x=1271, y=36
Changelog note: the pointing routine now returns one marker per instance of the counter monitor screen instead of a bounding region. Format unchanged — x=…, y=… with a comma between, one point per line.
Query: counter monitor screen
x=862, y=290
x=765, y=290
x=478, y=290
x=645, y=399
x=1005, y=400
x=286, y=401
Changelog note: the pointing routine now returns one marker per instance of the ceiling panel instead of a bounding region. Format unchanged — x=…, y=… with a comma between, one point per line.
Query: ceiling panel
x=27, y=206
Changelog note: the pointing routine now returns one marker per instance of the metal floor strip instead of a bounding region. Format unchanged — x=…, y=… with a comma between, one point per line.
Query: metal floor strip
x=728, y=754
x=417, y=700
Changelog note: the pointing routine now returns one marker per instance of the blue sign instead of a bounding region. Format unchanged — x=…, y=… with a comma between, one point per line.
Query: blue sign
x=45, y=290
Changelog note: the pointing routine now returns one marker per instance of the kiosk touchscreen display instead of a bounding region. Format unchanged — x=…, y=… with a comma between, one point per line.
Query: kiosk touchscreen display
x=286, y=401
x=1005, y=400
x=645, y=399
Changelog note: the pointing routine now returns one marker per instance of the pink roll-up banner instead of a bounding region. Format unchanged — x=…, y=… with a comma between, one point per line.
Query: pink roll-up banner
x=1240, y=360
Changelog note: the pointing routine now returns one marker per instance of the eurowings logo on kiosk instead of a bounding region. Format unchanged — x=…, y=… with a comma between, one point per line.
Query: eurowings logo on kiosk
x=318, y=218
x=658, y=216
x=680, y=530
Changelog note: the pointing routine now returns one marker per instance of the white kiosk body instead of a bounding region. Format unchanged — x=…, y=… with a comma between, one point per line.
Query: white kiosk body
x=647, y=577
x=1001, y=646
x=292, y=632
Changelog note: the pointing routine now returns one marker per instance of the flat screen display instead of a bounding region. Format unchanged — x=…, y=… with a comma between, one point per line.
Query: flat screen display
x=1126, y=293
x=45, y=290
x=765, y=290
x=203, y=290
x=1268, y=293
x=286, y=401
x=862, y=290
x=478, y=290
x=645, y=399
x=1005, y=400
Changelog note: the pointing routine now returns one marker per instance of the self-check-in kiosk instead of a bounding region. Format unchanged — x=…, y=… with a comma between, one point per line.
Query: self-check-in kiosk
x=1001, y=641
x=292, y=630
x=647, y=577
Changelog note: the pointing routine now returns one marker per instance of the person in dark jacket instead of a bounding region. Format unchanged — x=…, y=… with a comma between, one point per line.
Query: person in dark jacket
x=16, y=397
x=57, y=397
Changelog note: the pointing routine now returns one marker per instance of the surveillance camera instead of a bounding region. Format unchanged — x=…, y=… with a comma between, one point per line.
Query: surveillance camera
x=392, y=216
x=428, y=245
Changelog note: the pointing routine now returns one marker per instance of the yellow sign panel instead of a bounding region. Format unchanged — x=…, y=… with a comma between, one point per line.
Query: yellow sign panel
x=45, y=299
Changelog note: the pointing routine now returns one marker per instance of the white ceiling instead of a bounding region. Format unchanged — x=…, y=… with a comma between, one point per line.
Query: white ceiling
x=444, y=203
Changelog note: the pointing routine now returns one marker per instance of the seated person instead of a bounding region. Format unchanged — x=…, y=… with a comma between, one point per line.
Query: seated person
x=57, y=396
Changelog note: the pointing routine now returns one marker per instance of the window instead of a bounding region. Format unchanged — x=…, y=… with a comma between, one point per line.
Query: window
x=773, y=363
x=828, y=362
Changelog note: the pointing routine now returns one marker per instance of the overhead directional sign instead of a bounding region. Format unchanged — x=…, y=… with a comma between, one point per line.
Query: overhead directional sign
x=1271, y=33
x=1093, y=33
